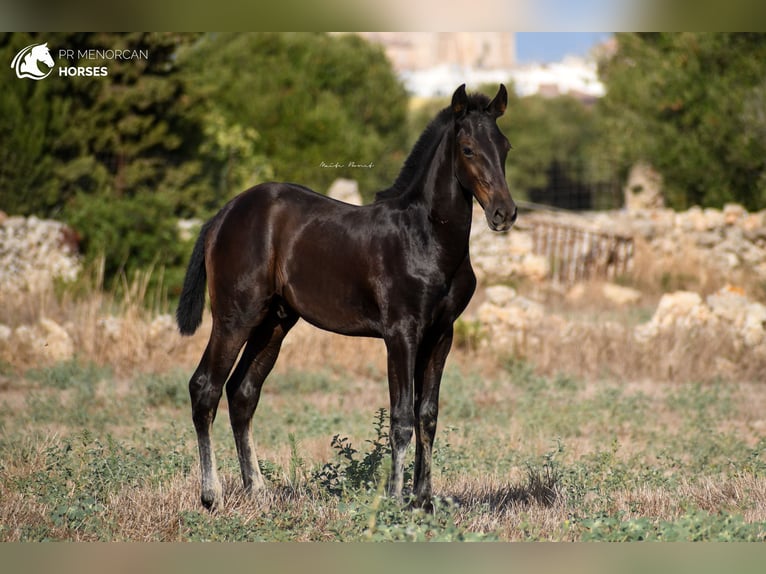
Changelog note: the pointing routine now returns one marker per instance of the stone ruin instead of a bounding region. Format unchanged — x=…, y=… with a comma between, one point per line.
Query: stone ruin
x=34, y=253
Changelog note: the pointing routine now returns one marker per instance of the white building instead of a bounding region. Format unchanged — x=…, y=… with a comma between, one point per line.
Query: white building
x=435, y=63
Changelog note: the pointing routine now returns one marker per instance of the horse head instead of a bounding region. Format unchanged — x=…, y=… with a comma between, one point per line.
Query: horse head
x=479, y=155
x=29, y=58
x=41, y=53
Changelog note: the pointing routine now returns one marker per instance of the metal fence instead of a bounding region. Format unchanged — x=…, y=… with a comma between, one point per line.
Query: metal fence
x=578, y=253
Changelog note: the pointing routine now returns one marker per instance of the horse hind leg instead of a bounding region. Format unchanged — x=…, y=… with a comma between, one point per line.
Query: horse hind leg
x=205, y=389
x=244, y=388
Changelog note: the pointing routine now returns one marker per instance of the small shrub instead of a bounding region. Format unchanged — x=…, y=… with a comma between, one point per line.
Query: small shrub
x=351, y=473
x=389, y=522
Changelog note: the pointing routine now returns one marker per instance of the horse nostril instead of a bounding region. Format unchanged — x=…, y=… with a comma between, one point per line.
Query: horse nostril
x=515, y=214
x=498, y=217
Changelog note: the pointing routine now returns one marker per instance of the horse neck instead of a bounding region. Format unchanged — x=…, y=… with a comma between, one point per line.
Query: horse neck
x=447, y=203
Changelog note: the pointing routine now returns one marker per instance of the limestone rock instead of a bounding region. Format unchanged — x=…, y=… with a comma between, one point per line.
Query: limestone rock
x=56, y=341
x=45, y=342
x=729, y=304
x=727, y=313
x=500, y=295
x=644, y=188
x=508, y=318
x=620, y=295
x=681, y=310
x=346, y=190
x=34, y=253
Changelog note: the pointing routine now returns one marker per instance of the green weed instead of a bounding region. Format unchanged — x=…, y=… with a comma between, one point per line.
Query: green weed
x=351, y=472
x=695, y=526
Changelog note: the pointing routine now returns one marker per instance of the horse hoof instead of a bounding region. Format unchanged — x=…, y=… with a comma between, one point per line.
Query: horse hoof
x=426, y=505
x=211, y=501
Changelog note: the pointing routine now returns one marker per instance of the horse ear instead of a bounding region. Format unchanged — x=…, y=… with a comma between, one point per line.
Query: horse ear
x=459, y=102
x=497, y=106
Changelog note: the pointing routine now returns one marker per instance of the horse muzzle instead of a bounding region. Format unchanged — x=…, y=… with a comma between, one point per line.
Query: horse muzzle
x=501, y=217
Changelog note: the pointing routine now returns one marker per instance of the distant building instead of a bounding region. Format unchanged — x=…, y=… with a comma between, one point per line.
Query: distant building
x=435, y=63
x=574, y=76
x=412, y=51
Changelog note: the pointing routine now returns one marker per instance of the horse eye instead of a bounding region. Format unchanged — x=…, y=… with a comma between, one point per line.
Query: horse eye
x=467, y=152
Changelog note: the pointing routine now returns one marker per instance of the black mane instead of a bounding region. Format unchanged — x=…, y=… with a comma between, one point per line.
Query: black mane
x=425, y=147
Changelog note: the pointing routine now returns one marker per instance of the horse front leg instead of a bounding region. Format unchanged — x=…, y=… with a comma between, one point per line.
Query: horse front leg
x=401, y=366
x=428, y=375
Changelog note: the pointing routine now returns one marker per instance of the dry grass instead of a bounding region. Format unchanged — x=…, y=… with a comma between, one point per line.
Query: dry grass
x=610, y=350
x=647, y=432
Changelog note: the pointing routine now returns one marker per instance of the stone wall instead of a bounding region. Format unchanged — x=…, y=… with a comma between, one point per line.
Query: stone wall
x=723, y=332
x=34, y=253
x=725, y=239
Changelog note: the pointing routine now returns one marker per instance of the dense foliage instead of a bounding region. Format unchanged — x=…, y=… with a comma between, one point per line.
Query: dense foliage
x=315, y=100
x=118, y=158
x=557, y=153
x=694, y=106
x=122, y=157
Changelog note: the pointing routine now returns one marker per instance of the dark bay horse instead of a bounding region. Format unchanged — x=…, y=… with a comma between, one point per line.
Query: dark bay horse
x=397, y=269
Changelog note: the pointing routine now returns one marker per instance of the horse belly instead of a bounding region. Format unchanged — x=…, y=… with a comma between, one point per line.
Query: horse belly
x=329, y=288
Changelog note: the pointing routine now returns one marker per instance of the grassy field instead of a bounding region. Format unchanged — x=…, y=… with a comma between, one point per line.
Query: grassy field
x=89, y=451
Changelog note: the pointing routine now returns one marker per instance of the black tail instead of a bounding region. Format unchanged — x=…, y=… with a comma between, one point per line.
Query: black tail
x=192, y=302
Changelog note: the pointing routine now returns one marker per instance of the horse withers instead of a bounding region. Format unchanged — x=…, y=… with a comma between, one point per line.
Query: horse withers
x=397, y=269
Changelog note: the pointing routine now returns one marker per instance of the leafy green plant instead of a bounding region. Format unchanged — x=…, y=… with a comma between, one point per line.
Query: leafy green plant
x=695, y=526
x=666, y=99
x=388, y=521
x=352, y=473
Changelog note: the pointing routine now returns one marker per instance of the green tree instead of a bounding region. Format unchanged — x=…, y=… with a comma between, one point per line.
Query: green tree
x=560, y=131
x=28, y=119
x=694, y=106
x=91, y=150
x=311, y=98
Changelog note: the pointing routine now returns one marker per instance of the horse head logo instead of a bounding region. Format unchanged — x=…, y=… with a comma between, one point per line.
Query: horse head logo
x=26, y=62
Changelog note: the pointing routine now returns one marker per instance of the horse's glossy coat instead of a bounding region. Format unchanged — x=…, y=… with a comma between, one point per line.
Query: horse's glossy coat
x=397, y=269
